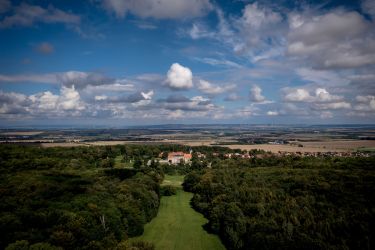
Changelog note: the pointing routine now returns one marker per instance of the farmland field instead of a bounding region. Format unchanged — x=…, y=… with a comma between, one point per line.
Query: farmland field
x=321, y=146
x=177, y=225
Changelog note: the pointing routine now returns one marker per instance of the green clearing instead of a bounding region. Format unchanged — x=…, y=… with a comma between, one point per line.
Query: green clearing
x=120, y=164
x=177, y=225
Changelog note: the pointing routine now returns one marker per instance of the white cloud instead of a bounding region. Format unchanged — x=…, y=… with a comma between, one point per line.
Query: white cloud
x=176, y=114
x=199, y=31
x=256, y=94
x=161, y=9
x=333, y=105
x=179, y=77
x=101, y=97
x=148, y=95
x=322, y=95
x=338, y=39
x=365, y=103
x=69, y=99
x=321, y=77
x=272, y=113
x=211, y=89
x=44, y=104
x=12, y=103
x=219, y=62
x=303, y=95
x=44, y=101
x=293, y=109
x=257, y=34
x=298, y=95
x=246, y=111
x=364, y=99
x=256, y=17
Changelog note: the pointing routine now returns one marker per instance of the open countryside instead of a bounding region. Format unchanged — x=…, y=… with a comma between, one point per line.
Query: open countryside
x=177, y=226
x=187, y=125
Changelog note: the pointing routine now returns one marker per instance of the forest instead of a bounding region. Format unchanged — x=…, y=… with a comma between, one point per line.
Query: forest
x=73, y=198
x=288, y=203
x=99, y=197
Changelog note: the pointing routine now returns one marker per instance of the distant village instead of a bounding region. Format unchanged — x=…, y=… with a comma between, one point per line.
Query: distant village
x=175, y=158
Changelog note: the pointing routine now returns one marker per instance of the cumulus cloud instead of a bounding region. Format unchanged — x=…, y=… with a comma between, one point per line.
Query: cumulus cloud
x=161, y=9
x=44, y=104
x=338, y=39
x=298, y=95
x=211, y=89
x=179, y=77
x=365, y=103
x=28, y=15
x=70, y=99
x=45, y=48
x=44, y=101
x=303, y=95
x=12, y=103
x=256, y=94
x=322, y=95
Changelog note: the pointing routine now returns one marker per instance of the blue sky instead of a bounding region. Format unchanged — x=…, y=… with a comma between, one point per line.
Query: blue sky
x=136, y=62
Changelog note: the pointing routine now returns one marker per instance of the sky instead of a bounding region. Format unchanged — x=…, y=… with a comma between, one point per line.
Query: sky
x=144, y=62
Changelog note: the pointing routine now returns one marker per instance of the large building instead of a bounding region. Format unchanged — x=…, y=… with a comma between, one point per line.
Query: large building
x=177, y=157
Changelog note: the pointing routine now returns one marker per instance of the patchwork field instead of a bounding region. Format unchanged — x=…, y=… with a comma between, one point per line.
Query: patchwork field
x=321, y=146
x=177, y=226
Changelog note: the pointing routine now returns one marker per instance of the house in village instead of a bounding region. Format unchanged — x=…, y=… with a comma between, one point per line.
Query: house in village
x=177, y=157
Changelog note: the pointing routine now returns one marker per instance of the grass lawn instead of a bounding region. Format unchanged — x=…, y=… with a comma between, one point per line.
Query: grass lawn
x=119, y=164
x=177, y=225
